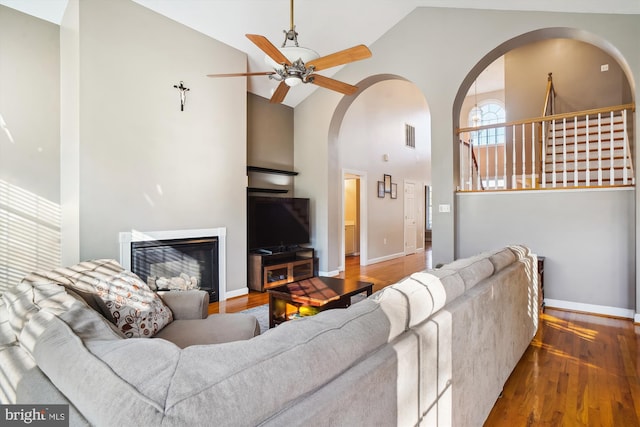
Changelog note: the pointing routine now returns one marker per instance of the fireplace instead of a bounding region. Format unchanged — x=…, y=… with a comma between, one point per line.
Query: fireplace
x=177, y=260
x=178, y=264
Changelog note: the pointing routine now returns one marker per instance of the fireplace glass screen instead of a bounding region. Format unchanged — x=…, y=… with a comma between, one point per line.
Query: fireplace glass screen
x=178, y=264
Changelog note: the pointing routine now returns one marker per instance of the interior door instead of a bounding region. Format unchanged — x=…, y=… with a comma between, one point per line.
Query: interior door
x=410, y=215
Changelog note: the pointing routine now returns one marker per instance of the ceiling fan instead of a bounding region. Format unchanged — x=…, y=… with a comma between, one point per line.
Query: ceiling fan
x=293, y=64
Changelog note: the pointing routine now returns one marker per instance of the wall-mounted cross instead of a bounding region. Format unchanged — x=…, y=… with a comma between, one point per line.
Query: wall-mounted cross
x=183, y=94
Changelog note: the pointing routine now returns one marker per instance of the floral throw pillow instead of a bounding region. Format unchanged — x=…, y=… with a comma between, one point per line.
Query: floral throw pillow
x=137, y=311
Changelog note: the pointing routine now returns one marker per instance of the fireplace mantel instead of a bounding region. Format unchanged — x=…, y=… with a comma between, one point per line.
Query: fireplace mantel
x=127, y=237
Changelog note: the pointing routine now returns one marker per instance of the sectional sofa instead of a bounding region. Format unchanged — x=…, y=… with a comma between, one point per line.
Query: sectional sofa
x=433, y=349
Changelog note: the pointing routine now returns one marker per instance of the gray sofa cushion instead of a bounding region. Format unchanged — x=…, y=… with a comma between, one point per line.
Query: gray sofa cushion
x=215, y=329
x=396, y=301
x=502, y=258
x=451, y=281
x=184, y=305
x=472, y=270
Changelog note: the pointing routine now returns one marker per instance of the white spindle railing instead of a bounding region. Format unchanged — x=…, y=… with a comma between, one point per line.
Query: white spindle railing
x=611, y=150
x=513, y=161
x=599, y=150
x=543, y=154
x=554, y=140
x=587, y=151
x=554, y=174
x=575, y=151
x=564, y=152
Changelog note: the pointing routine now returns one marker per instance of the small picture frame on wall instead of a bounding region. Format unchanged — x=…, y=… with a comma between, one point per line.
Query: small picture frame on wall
x=394, y=191
x=387, y=183
x=381, y=189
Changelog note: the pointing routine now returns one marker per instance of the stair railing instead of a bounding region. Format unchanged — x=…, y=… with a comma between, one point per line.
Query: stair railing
x=520, y=158
x=627, y=149
x=549, y=98
x=473, y=165
x=549, y=108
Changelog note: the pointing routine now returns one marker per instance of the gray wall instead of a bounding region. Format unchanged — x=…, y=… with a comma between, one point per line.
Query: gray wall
x=30, y=103
x=444, y=72
x=269, y=133
x=29, y=157
x=586, y=237
x=579, y=83
x=142, y=163
x=269, y=143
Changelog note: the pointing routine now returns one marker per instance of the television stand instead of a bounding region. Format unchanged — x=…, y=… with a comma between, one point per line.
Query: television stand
x=268, y=270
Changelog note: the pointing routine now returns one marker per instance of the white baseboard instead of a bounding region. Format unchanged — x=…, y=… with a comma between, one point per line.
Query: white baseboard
x=232, y=294
x=591, y=308
x=385, y=258
x=329, y=273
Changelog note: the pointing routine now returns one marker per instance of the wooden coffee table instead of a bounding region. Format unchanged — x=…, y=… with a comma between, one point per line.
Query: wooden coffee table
x=320, y=293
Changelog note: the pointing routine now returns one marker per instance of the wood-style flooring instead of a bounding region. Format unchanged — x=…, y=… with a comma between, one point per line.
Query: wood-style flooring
x=580, y=369
x=380, y=274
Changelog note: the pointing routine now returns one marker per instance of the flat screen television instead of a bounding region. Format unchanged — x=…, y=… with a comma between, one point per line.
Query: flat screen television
x=277, y=223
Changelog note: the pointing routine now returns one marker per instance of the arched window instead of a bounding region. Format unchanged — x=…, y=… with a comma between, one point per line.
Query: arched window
x=487, y=113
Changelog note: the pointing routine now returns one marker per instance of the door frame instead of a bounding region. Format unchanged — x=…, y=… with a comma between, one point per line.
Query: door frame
x=418, y=215
x=362, y=221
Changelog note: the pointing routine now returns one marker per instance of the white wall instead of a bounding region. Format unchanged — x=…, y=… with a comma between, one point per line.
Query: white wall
x=144, y=164
x=436, y=49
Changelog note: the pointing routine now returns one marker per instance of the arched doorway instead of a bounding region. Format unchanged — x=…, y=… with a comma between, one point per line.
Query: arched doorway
x=554, y=224
x=368, y=137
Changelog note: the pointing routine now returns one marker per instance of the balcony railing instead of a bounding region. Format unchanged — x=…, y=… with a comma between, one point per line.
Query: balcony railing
x=574, y=150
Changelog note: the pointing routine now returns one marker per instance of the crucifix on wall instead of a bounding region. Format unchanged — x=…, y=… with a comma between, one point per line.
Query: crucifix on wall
x=183, y=94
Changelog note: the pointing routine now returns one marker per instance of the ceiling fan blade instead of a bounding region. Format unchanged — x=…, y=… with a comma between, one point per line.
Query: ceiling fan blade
x=267, y=47
x=259, y=73
x=279, y=94
x=338, y=86
x=355, y=53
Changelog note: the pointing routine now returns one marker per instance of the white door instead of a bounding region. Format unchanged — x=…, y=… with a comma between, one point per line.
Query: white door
x=410, y=215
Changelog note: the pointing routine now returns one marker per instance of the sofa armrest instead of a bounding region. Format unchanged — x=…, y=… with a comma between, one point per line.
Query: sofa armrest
x=186, y=305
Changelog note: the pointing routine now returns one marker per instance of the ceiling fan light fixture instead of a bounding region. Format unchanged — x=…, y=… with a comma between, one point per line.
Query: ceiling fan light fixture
x=293, y=53
x=292, y=81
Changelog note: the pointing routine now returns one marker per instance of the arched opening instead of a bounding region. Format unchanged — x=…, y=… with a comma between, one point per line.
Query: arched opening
x=370, y=137
x=553, y=223
x=521, y=94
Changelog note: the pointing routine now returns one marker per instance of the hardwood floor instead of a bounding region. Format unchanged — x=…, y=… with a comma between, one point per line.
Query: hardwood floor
x=380, y=274
x=580, y=369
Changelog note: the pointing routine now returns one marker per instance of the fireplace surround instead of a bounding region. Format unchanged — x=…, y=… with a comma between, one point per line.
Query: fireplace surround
x=178, y=259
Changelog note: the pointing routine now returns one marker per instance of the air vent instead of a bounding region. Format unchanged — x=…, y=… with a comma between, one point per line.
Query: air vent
x=409, y=136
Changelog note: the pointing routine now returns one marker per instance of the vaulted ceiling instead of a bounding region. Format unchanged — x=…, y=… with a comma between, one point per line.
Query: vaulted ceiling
x=326, y=27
